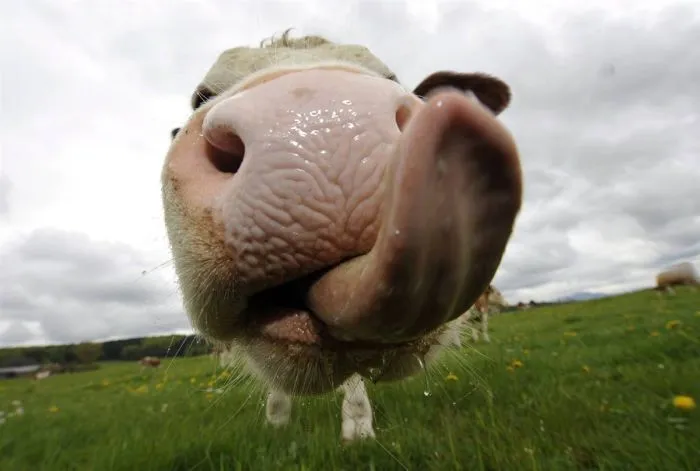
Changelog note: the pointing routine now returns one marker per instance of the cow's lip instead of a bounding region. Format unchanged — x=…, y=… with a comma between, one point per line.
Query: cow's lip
x=281, y=315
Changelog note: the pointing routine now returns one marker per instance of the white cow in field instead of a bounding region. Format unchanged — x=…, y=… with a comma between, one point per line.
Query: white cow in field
x=328, y=223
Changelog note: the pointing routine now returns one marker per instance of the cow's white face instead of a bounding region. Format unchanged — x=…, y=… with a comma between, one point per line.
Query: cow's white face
x=327, y=221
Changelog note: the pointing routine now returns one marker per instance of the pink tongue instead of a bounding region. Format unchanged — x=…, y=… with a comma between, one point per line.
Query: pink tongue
x=453, y=191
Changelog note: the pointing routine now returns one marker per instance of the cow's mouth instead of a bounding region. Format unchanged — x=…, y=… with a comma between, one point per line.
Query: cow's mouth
x=282, y=314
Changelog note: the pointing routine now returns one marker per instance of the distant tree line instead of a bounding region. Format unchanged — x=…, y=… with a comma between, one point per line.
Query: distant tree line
x=167, y=346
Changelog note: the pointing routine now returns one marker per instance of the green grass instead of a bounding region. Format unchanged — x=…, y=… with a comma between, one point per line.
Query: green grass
x=548, y=414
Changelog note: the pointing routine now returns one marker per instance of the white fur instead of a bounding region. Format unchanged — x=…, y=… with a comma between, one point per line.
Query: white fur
x=475, y=324
x=356, y=410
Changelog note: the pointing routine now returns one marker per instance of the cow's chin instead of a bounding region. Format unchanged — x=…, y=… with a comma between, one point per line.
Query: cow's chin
x=291, y=350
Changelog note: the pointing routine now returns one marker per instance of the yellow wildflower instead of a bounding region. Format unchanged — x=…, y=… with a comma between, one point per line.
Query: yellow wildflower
x=451, y=377
x=510, y=369
x=684, y=402
x=654, y=333
x=516, y=364
x=105, y=382
x=673, y=324
x=526, y=351
x=53, y=409
x=586, y=369
x=159, y=386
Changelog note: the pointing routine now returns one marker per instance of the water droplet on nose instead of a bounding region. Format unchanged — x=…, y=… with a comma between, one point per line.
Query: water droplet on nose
x=439, y=104
x=346, y=102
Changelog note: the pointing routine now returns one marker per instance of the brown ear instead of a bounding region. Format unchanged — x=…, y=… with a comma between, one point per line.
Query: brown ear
x=492, y=92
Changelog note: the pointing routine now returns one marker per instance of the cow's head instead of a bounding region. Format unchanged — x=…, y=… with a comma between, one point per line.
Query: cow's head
x=326, y=220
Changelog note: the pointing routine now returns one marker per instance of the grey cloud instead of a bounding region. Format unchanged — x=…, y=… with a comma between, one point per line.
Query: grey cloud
x=79, y=289
x=5, y=186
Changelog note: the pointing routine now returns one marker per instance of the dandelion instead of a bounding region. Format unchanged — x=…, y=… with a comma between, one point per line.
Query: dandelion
x=684, y=402
x=516, y=364
x=53, y=409
x=210, y=383
x=654, y=333
x=570, y=334
x=105, y=382
x=451, y=377
x=586, y=369
x=140, y=390
x=673, y=324
x=510, y=369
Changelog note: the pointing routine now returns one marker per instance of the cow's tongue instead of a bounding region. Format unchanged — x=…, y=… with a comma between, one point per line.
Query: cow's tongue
x=453, y=191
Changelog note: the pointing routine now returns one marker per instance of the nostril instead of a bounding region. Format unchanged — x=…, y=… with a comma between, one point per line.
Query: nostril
x=405, y=108
x=226, y=153
x=226, y=149
x=403, y=114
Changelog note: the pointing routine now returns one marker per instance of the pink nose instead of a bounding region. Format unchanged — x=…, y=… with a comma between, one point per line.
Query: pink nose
x=313, y=113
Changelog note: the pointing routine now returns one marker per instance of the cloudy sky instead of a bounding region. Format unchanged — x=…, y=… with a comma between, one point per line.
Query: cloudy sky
x=605, y=111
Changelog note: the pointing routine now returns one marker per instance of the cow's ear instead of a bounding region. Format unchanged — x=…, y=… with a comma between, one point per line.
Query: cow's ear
x=493, y=92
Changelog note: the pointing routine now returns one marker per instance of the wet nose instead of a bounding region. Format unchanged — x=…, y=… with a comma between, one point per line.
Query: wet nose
x=310, y=109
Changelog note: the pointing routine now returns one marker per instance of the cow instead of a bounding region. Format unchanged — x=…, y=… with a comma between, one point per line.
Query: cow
x=478, y=314
x=329, y=224
x=152, y=362
x=681, y=274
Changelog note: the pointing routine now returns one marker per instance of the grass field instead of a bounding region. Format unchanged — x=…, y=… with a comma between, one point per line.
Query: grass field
x=580, y=386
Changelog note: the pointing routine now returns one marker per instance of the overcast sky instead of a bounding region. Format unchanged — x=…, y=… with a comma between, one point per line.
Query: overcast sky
x=605, y=111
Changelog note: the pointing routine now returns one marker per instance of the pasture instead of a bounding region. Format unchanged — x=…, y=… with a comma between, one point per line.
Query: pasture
x=586, y=385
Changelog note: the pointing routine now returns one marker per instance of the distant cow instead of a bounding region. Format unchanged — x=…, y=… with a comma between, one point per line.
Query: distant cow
x=491, y=300
x=153, y=362
x=677, y=275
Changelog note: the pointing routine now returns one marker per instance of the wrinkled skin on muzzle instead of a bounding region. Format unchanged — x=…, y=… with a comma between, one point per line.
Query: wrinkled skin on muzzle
x=326, y=220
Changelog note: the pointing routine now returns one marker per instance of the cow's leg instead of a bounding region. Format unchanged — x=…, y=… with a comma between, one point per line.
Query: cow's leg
x=475, y=331
x=356, y=410
x=278, y=408
x=485, y=327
